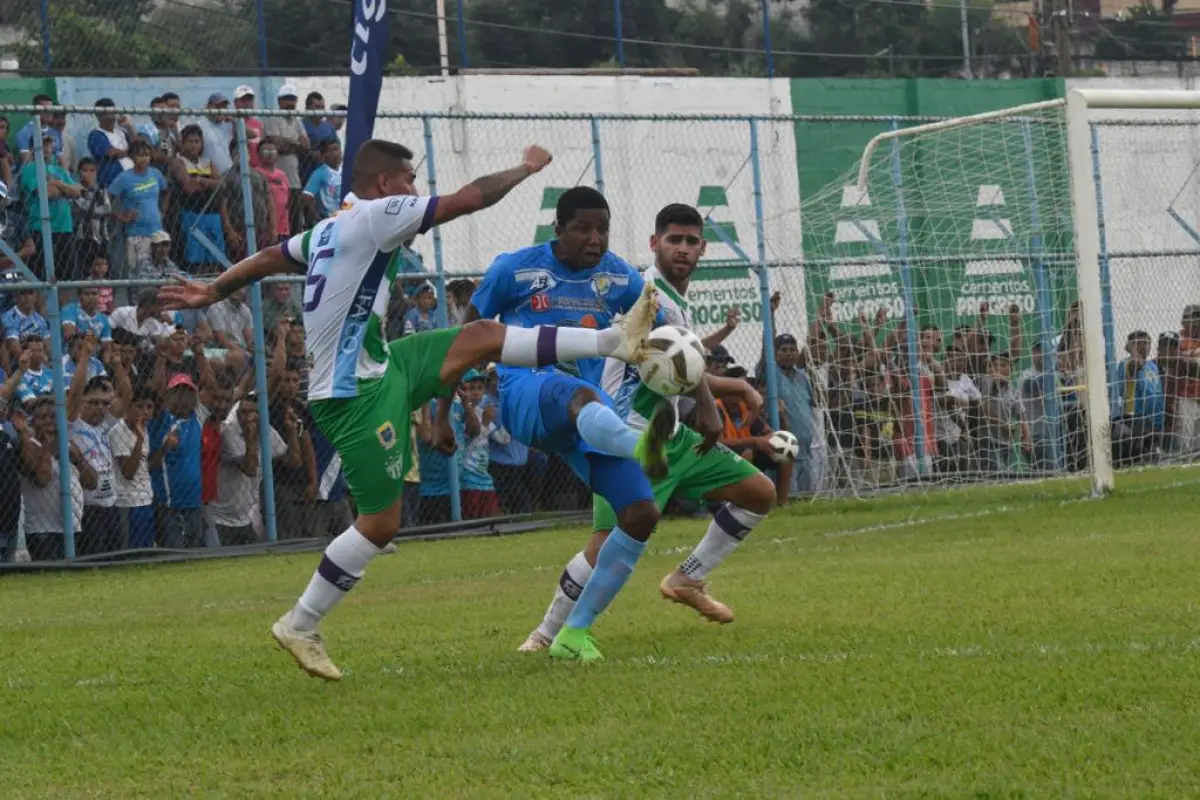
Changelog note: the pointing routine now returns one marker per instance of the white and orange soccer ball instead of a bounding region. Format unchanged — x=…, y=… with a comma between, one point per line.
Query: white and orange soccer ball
x=675, y=364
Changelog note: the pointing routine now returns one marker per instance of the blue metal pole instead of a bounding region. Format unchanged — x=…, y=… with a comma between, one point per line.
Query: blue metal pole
x=260, y=345
x=1045, y=306
x=597, y=161
x=56, y=349
x=620, y=33
x=1110, y=333
x=443, y=320
x=262, y=36
x=764, y=281
x=910, y=317
x=47, y=56
x=464, y=59
x=766, y=23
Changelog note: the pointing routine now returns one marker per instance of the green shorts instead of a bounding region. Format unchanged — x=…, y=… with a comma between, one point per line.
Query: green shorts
x=690, y=476
x=371, y=431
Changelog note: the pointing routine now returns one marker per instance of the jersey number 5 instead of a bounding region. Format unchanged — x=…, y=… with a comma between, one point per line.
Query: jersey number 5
x=316, y=281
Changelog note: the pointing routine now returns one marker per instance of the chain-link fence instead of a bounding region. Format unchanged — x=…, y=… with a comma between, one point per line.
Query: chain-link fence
x=924, y=323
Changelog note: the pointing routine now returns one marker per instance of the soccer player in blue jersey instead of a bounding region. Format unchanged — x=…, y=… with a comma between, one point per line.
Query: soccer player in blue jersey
x=574, y=281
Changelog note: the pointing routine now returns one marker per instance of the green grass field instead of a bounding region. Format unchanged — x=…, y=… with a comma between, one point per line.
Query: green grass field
x=1015, y=641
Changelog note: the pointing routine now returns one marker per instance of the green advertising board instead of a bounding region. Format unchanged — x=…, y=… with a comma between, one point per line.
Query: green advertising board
x=21, y=91
x=979, y=214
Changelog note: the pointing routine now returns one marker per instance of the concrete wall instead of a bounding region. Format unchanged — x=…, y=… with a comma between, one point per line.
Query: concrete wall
x=1146, y=168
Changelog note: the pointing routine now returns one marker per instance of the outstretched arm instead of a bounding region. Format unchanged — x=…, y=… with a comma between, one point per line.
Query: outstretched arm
x=196, y=294
x=488, y=190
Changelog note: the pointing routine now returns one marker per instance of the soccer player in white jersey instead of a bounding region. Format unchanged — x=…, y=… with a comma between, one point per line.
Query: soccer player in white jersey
x=362, y=389
x=718, y=476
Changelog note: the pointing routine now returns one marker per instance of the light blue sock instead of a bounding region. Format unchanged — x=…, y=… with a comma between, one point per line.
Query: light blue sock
x=614, y=564
x=599, y=426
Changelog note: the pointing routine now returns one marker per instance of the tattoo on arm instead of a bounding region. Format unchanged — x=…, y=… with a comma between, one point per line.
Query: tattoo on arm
x=493, y=187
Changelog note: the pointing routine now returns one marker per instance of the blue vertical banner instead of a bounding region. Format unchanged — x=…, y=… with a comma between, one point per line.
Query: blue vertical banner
x=366, y=78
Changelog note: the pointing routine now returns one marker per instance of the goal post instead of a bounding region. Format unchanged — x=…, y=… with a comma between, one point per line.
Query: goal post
x=972, y=281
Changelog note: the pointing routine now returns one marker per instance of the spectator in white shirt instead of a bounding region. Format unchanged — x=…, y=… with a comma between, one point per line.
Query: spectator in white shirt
x=231, y=321
x=240, y=474
x=93, y=411
x=131, y=476
x=146, y=319
x=40, y=487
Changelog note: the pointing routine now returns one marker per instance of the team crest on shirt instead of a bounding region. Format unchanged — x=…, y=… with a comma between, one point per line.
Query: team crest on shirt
x=387, y=435
x=601, y=284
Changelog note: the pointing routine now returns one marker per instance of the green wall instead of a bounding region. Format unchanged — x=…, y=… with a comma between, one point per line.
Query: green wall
x=15, y=91
x=967, y=197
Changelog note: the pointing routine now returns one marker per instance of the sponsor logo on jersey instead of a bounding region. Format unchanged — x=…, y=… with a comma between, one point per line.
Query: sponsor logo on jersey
x=540, y=302
x=538, y=280
x=396, y=205
x=387, y=435
x=395, y=468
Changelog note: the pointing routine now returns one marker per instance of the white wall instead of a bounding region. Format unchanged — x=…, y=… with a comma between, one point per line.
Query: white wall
x=645, y=164
x=1146, y=169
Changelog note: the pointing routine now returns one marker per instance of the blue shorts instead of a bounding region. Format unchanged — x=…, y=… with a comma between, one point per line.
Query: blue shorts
x=534, y=409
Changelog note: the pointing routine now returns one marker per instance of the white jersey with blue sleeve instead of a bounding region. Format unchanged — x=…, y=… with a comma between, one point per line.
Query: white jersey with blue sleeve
x=350, y=276
x=635, y=403
x=531, y=287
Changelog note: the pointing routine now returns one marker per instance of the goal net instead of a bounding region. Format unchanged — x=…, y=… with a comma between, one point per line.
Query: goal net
x=972, y=306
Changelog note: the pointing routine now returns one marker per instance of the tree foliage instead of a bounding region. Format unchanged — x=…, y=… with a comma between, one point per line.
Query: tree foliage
x=716, y=37
x=1142, y=32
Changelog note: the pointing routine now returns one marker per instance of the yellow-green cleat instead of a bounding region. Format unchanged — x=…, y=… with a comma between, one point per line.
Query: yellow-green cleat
x=575, y=644
x=651, y=450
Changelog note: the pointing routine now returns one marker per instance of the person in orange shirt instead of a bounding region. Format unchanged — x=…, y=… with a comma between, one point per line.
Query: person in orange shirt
x=749, y=437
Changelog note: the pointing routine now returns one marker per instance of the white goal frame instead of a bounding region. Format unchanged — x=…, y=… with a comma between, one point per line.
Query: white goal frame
x=1085, y=221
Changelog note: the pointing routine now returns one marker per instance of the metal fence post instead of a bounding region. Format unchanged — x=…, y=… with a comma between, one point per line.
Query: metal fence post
x=442, y=318
x=764, y=281
x=47, y=55
x=464, y=59
x=54, y=317
x=262, y=36
x=597, y=160
x=620, y=34
x=260, y=346
x=770, y=53
x=910, y=317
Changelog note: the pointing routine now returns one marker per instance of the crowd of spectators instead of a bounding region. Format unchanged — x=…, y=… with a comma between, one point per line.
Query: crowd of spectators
x=986, y=406
x=163, y=433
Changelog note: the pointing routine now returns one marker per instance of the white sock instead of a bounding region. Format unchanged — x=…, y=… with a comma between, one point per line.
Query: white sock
x=570, y=585
x=729, y=526
x=545, y=345
x=341, y=567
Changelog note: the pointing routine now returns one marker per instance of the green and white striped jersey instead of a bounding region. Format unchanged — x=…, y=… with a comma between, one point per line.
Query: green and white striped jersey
x=636, y=403
x=350, y=274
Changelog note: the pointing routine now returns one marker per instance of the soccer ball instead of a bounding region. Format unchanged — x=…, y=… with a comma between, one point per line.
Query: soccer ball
x=675, y=364
x=784, y=446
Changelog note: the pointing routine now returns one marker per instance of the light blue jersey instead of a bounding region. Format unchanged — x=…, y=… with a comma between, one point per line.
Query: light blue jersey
x=17, y=325
x=83, y=322
x=35, y=383
x=531, y=287
x=472, y=451
x=95, y=368
x=325, y=184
